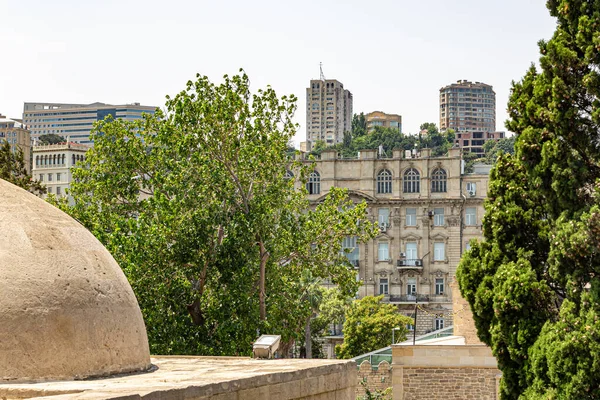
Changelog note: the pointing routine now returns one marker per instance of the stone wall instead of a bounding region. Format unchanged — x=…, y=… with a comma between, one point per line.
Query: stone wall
x=463, y=317
x=449, y=383
x=444, y=372
x=378, y=378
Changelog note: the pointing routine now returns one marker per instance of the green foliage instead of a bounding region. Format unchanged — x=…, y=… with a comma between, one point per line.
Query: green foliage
x=50, y=138
x=359, y=125
x=385, y=394
x=493, y=148
x=195, y=207
x=533, y=284
x=12, y=169
x=368, y=326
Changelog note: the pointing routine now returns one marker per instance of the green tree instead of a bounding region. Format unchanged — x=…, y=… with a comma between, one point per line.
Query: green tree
x=533, y=284
x=13, y=170
x=196, y=207
x=312, y=296
x=439, y=142
x=493, y=148
x=359, y=125
x=51, y=138
x=368, y=326
x=333, y=308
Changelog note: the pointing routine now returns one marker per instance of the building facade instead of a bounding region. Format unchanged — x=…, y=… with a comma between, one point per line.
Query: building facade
x=328, y=112
x=427, y=210
x=474, y=141
x=15, y=133
x=75, y=121
x=468, y=107
x=52, y=165
x=379, y=118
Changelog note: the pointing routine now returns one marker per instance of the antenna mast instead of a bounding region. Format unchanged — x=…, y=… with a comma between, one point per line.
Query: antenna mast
x=321, y=69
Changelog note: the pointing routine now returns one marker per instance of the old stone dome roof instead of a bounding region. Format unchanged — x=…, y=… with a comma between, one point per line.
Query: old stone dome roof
x=66, y=308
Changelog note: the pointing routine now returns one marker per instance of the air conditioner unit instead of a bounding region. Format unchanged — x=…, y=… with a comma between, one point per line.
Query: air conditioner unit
x=419, y=263
x=430, y=214
x=401, y=263
x=471, y=193
x=402, y=255
x=383, y=227
x=355, y=263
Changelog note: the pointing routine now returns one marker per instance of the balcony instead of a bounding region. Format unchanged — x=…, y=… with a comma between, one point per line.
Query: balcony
x=409, y=264
x=409, y=298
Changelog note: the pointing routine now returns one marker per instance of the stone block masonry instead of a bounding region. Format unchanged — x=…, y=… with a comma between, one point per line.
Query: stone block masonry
x=374, y=378
x=449, y=383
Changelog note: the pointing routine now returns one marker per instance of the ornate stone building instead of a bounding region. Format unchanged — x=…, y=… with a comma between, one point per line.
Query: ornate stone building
x=427, y=210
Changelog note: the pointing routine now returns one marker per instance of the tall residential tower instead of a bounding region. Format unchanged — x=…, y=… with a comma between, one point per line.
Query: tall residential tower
x=328, y=112
x=470, y=109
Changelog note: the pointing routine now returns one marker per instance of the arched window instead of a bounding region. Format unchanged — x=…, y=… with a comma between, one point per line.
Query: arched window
x=37, y=160
x=73, y=159
x=288, y=175
x=314, y=183
x=438, y=181
x=412, y=181
x=63, y=159
x=384, y=181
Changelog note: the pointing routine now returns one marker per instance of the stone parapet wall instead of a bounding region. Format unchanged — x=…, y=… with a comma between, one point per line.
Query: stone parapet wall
x=444, y=372
x=437, y=383
x=378, y=378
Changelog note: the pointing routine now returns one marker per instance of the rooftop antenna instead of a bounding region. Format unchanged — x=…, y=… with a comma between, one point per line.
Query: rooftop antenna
x=321, y=69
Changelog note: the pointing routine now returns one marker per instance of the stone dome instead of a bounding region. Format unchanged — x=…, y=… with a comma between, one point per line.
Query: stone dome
x=66, y=308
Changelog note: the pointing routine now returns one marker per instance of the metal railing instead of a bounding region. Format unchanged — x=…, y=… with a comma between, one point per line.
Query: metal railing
x=409, y=298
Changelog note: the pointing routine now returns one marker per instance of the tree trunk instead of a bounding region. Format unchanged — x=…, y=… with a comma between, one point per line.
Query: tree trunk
x=196, y=312
x=264, y=256
x=308, y=339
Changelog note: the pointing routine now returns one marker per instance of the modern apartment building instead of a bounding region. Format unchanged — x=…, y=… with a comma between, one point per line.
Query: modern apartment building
x=15, y=133
x=468, y=107
x=427, y=210
x=379, y=118
x=52, y=165
x=328, y=112
x=75, y=121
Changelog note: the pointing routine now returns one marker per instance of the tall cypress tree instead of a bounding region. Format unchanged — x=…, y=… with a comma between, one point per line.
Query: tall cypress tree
x=533, y=284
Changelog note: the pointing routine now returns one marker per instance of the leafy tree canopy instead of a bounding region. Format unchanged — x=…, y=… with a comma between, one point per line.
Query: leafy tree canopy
x=359, y=125
x=534, y=283
x=195, y=206
x=368, y=326
x=51, y=138
x=13, y=170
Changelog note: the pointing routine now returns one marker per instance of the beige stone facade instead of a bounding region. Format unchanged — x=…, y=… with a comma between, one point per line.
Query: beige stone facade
x=52, y=165
x=328, y=112
x=379, y=118
x=15, y=133
x=427, y=210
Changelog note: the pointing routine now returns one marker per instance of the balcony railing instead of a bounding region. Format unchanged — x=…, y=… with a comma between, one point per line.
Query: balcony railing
x=409, y=298
x=50, y=166
x=409, y=263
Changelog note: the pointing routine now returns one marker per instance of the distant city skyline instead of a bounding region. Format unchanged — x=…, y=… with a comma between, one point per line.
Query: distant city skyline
x=393, y=56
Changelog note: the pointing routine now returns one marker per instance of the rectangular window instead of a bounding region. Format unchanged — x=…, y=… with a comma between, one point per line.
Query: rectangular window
x=439, y=251
x=58, y=177
x=411, y=217
x=49, y=177
x=41, y=177
x=411, y=287
x=468, y=246
x=384, y=217
x=439, y=323
x=383, y=286
x=439, y=286
x=471, y=216
x=58, y=191
x=411, y=253
x=49, y=190
x=350, y=249
x=411, y=327
x=438, y=217
x=471, y=188
x=383, y=252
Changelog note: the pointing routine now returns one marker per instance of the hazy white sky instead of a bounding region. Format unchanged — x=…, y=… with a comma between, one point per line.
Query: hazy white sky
x=394, y=56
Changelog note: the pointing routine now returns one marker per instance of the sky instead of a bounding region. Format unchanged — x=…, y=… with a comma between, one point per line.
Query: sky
x=393, y=56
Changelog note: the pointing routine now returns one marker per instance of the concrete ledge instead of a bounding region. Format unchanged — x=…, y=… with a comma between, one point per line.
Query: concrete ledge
x=208, y=378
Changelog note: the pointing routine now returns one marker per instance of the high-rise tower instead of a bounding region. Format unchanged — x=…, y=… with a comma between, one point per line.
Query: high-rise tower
x=328, y=111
